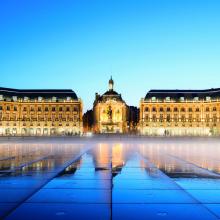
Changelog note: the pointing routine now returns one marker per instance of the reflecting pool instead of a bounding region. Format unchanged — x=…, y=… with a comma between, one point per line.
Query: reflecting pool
x=114, y=177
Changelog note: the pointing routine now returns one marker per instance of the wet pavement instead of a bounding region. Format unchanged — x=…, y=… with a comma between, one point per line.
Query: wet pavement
x=110, y=178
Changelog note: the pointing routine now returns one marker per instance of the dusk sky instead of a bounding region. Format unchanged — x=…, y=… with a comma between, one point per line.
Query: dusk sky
x=79, y=44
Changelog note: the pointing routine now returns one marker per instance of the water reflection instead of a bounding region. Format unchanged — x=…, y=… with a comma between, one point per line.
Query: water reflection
x=108, y=173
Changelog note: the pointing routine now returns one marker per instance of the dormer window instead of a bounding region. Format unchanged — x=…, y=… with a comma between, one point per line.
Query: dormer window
x=40, y=98
x=196, y=98
x=14, y=98
x=167, y=99
x=153, y=99
x=54, y=99
x=208, y=98
x=182, y=99
x=1, y=97
x=26, y=98
x=68, y=99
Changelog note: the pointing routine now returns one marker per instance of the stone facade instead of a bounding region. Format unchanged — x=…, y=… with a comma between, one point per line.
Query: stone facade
x=39, y=112
x=110, y=112
x=180, y=113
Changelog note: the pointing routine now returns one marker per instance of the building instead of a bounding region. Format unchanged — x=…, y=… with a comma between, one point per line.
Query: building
x=88, y=121
x=40, y=112
x=133, y=119
x=110, y=112
x=180, y=113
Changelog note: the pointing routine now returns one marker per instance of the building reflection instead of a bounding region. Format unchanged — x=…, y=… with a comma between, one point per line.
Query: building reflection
x=173, y=158
x=180, y=158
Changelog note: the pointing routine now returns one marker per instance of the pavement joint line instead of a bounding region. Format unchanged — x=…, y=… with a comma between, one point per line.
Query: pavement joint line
x=196, y=166
x=68, y=163
x=198, y=202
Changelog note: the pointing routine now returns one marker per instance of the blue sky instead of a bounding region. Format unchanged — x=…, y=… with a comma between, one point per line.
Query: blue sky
x=78, y=44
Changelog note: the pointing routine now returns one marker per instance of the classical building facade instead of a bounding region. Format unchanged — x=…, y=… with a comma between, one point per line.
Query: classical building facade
x=180, y=113
x=110, y=112
x=39, y=112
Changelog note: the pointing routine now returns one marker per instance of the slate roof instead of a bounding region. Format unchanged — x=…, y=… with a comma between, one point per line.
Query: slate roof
x=187, y=94
x=35, y=93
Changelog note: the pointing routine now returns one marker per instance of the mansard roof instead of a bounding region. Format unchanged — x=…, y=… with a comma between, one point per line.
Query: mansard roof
x=34, y=93
x=187, y=94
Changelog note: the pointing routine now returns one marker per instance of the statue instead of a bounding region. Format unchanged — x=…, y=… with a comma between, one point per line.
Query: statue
x=109, y=113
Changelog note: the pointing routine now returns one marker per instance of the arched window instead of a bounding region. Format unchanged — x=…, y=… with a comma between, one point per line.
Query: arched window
x=168, y=109
x=175, y=109
x=161, y=109
x=183, y=110
x=146, y=109
x=154, y=109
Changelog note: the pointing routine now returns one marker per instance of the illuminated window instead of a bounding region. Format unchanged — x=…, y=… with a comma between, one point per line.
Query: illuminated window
x=14, y=98
x=153, y=99
x=196, y=98
x=26, y=99
x=182, y=99
x=168, y=99
x=54, y=99
x=208, y=98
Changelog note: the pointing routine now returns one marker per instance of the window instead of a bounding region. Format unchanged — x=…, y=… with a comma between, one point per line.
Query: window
x=214, y=109
x=146, y=109
x=0, y=107
x=14, y=98
x=154, y=109
x=60, y=109
x=197, y=110
x=190, y=118
x=15, y=108
x=54, y=99
x=207, y=109
x=168, y=118
x=167, y=99
x=183, y=119
x=53, y=109
x=208, y=98
x=39, y=109
x=25, y=109
x=8, y=108
x=161, y=109
x=183, y=110
x=32, y=108
x=196, y=98
x=175, y=109
x=46, y=109
x=1, y=97
x=25, y=99
x=161, y=117
x=182, y=99
x=153, y=99
x=168, y=109
x=190, y=109
x=68, y=109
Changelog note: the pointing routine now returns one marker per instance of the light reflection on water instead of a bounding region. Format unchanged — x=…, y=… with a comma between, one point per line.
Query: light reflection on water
x=111, y=171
